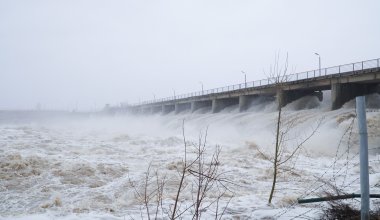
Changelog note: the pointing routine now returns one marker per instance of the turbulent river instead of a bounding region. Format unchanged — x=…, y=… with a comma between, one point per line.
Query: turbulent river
x=59, y=165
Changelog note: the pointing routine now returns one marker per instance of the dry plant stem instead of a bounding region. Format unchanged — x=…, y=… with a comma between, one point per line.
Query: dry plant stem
x=199, y=185
x=159, y=196
x=146, y=197
x=200, y=194
x=224, y=209
x=303, y=142
x=284, y=125
x=276, y=154
x=183, y=173
x=207, y=178
x=278, y=75
x=204, y=176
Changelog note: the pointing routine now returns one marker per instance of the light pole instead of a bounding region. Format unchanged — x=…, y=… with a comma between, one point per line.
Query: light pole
x=364, y=176
x=174, y=93
x=319, y=58
x=202, y=86
x=154, y=97
x=245, y=79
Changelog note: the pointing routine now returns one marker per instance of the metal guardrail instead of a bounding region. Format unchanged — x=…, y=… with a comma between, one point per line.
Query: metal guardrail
x=341, y=69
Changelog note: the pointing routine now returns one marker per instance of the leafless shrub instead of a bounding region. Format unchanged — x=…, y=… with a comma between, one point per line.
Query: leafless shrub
x=150, y=193
x=283, y=154
x=339, y=210
x=207, y=180
x=208, y=186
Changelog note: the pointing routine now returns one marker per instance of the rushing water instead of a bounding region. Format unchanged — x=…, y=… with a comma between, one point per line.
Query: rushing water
x=84, y=166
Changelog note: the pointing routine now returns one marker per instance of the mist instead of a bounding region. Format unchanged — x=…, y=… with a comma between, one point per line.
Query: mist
x=72, y=165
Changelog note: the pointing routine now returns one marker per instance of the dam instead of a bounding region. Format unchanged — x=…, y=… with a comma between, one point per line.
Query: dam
x=345, y=82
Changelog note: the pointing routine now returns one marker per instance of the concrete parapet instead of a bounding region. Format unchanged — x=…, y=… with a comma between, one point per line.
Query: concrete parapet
x=219, y=104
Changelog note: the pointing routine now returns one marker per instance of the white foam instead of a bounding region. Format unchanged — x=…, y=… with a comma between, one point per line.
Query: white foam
x=83, y=167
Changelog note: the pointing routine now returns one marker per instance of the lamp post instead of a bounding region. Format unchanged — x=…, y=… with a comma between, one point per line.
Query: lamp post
x=364, y=176
x=319, y=58
x=202, y=86
x=154, y=97
x=245, y=79
x=174, y=93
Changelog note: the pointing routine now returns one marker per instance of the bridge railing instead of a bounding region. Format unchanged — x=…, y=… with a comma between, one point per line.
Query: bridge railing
x=341, y=69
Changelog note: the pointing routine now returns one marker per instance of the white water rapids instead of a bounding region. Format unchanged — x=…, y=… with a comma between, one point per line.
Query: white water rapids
x=82, y=166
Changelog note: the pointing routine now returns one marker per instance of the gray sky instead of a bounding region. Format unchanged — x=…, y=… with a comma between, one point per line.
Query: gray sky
x=90, y=52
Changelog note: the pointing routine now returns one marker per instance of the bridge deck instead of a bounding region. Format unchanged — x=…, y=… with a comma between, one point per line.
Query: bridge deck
x=364, y=72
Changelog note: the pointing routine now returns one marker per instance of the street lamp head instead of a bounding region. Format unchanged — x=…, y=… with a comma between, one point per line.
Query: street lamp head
x=316, y=54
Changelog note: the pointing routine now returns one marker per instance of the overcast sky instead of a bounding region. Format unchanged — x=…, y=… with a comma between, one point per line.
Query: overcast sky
x=89, y=52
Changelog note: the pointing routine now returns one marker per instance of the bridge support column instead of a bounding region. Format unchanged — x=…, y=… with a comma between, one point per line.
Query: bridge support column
x=179, y=107
x=195, y=105
x=340, y=93
x=219, y=104
x=244, y=102
x=166, y=109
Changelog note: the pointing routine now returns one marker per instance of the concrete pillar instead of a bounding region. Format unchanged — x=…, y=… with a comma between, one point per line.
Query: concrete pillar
x=215, y=107
x=343, y=92
x=244, y=102
x=195, y=105
x=167, y=109
x=219, y=104
x=340, y=93
x=179, y=107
